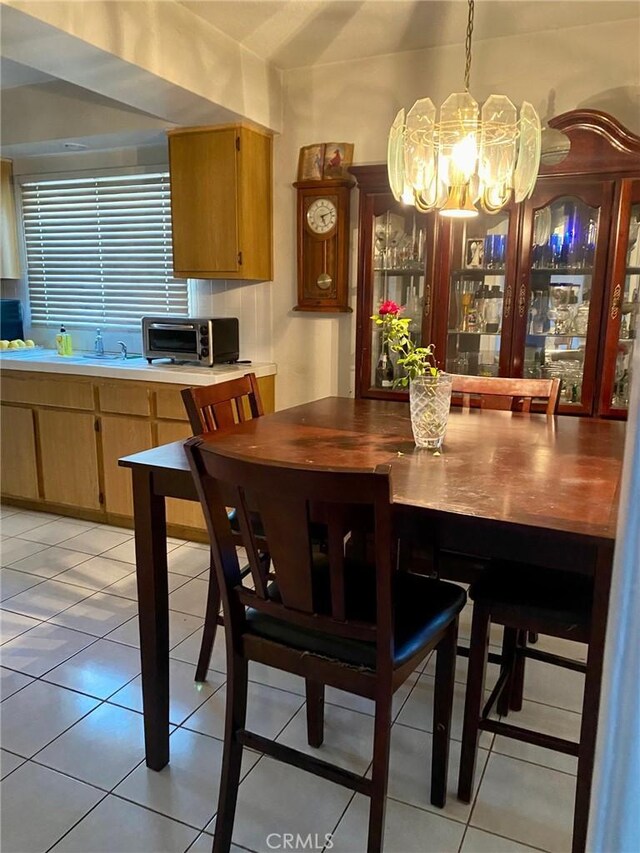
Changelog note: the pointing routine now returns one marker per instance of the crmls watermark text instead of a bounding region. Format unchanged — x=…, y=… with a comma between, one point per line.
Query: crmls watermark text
x=295, y=841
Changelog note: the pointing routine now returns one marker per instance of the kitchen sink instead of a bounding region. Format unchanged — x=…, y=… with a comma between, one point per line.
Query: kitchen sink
x=115, y=356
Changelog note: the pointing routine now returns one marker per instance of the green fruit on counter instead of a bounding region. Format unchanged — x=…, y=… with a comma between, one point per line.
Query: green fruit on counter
x=29, y=343
x=13, y=345
x=4, y=344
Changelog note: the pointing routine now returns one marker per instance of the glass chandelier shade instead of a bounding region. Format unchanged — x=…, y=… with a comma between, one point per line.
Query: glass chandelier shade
x=466, y=156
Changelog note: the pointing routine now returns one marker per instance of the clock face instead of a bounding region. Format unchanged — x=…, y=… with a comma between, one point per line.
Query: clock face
x=322, y=216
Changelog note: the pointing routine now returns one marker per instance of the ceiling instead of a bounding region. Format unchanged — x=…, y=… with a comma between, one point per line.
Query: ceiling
x=13, y=74
x=295, y=33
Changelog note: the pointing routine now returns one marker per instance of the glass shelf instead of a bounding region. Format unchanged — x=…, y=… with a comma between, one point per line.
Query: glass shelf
x=562, y=270
x=400, y=271
x=553, y=335
x=482, y=334
x=477, y=272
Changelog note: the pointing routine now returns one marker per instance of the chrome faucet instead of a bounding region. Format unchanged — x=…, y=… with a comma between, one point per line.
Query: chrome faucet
x=98, y=345
x=123, y=349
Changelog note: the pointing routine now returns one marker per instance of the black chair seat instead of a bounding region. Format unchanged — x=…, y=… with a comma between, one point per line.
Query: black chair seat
x=422, y=606
x=547, y=596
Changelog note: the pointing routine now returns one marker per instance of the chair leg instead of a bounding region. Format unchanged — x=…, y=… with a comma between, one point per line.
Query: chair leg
x=517, y=682
x=509, y=642
x=236, y=712
x=442, y=710
x=210, y=626
x=315, y=712
x=479, y=647
x=380, y=772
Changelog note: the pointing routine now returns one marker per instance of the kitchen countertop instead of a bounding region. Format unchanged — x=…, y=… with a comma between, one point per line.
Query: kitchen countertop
x=48, y=361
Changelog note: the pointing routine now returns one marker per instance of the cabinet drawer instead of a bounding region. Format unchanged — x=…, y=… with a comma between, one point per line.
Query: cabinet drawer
x=63, y=393
x=169, y=404
x=124, y=399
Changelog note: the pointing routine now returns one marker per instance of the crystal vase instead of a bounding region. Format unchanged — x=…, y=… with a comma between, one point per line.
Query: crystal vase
x=429, y=402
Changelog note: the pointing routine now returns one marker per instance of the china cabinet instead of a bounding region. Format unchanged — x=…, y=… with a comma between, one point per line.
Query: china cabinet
x=546, y=288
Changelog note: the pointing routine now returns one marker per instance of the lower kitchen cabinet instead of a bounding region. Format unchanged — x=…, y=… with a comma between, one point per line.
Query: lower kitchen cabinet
x=185, y=513
x=121, y=436
x=19, y=468
x=69, y=458
x=62, y=437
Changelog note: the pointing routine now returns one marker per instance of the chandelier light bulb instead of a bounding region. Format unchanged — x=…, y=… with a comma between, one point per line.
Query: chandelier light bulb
x=464, y=158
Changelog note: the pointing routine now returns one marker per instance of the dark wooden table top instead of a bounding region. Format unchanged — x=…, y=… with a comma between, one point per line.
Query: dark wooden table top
x=558, y=473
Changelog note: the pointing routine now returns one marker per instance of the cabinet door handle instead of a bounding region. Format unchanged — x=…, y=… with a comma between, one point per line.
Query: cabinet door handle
x=616, y=298
x=522, y=299
x=508, y=298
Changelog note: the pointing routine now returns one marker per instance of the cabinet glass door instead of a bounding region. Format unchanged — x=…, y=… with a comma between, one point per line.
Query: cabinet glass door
x=623, y=304
x=397, y=274
x=558, y=305
x=479, y=265
x=629, y=311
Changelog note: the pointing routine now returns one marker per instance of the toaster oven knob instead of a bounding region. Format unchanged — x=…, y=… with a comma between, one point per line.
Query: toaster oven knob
x=204, y=341
x=204, y=330
x=204, y=352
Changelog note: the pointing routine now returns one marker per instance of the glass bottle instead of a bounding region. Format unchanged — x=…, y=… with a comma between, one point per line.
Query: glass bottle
x=385, y=372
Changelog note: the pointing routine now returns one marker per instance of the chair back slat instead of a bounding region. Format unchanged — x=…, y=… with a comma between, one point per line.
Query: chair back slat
x=310, y=588
x=335, y=545
x=256, y=565
x=507, y=393
x=212, y=407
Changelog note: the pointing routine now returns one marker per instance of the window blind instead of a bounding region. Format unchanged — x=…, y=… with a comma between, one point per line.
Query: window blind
x=99, y=251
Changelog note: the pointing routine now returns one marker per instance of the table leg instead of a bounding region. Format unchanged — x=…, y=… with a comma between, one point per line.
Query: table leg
x=591, y=701
x=153, y=611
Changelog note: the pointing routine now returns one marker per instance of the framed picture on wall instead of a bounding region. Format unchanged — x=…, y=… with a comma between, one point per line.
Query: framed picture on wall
x=311, y=162
x=338, y=156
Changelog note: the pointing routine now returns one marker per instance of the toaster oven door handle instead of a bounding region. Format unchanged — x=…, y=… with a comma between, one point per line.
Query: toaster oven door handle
x=171, y=327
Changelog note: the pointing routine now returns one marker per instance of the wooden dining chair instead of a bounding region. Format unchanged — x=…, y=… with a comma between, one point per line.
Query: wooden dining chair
x=521, y=598
x=359, y=627
x=516, y=395
x=212, y=407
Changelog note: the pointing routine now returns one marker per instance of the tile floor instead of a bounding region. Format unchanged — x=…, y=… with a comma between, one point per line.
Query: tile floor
x=73, y=774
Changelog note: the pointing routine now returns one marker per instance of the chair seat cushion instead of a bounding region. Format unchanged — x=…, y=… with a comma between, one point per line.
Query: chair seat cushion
x=422, y=606
x=542, y=594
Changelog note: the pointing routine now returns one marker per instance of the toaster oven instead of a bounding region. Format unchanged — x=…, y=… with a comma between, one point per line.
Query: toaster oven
x=206, y=341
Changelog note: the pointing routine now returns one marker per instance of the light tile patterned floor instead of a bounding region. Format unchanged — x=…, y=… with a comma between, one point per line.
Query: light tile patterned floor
x=73, y=774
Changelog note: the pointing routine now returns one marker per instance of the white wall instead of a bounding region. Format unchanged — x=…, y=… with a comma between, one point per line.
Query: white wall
x=590, y=66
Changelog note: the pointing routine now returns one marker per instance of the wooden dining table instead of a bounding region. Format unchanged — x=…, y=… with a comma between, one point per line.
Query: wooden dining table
x=505, y=485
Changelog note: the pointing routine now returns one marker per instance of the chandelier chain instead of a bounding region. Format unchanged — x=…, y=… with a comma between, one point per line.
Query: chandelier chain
x=467, y=67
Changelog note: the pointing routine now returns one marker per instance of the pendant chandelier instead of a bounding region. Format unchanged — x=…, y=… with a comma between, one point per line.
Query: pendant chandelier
x=467, y=156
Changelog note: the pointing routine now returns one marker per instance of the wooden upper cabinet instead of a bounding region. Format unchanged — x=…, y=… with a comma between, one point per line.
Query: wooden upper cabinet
x=9, y=251
x=221, y=202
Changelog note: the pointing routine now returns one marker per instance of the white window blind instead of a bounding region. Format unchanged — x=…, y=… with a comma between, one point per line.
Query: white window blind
x=99, y=251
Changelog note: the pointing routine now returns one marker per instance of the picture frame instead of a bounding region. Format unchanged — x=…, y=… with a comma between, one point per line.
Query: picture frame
x=473, y=252
x=311, y=162
x=338, y=156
